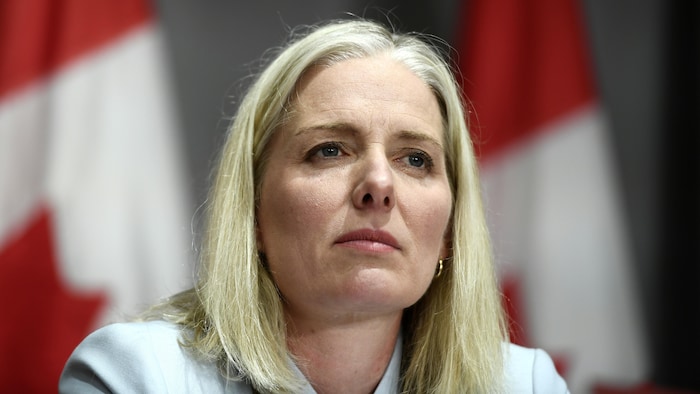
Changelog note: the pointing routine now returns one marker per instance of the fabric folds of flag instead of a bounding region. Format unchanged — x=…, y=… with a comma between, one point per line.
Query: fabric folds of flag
x=94, y=221
x=549, y=185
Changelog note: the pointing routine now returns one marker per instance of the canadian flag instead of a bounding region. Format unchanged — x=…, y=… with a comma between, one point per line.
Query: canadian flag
x=549, y=184
x=94, y=221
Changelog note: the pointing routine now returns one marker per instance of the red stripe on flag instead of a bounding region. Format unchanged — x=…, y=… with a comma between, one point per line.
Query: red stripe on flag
x=524, y=64
x=42, y=321
x=39, y=36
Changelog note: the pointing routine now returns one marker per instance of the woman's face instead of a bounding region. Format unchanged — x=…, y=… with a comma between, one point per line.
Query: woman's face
x=355, y=200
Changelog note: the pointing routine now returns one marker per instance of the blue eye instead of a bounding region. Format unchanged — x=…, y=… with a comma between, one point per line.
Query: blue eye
x=329, y=151
x=419, y=160
x=416, y=160
x=326, y=150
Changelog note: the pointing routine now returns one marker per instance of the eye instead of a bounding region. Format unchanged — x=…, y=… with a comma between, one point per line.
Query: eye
x=419, y=160
x=328, y=151
x=325, y=150
x=416, y=161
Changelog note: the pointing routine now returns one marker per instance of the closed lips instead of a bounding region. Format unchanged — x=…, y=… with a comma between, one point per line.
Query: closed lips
x=368, y=235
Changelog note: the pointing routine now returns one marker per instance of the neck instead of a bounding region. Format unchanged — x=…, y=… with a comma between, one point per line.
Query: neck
x=348, y=356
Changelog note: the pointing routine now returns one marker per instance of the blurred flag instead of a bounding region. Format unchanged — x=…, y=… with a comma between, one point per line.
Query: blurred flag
x=550, y=189
x=93, y=212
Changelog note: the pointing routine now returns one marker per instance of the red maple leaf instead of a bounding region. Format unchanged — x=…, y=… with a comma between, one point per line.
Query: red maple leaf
x=43, y=321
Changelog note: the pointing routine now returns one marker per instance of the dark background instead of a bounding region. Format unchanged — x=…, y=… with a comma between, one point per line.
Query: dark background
x=647, y=68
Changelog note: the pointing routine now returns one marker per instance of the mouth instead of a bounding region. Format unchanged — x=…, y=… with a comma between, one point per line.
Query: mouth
x=369, y=240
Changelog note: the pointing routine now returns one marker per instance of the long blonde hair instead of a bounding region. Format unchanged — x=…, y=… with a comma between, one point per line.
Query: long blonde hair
x=453, y=336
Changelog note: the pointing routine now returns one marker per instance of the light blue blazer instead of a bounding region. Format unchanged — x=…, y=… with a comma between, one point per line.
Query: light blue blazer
x=146, y=358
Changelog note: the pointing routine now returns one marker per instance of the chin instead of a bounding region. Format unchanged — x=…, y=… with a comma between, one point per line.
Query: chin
x=382, y=292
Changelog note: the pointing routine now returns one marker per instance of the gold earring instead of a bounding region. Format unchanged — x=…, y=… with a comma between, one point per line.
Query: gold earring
x=439, y=269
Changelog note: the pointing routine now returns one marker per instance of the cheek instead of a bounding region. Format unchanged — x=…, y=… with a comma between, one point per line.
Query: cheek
x=430, y=218
x=434, y=221
x=295, y=220
x=291, y=212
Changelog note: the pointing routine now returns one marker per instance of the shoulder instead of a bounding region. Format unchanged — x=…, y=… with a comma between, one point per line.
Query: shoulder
x=531, y=371
x=139, y=357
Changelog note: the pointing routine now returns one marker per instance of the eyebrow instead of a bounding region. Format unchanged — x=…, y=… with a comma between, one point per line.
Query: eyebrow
x=408, y=135
x=421, y=137
x=338, y=127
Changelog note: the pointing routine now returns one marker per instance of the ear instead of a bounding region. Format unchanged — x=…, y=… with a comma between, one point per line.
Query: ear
x=258, y=237
x=446, y=248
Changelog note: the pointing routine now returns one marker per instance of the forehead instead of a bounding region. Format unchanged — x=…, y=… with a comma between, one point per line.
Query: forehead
x=369, y=85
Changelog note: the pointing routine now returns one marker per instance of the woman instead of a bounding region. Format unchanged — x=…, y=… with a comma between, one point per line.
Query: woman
x=346, y=248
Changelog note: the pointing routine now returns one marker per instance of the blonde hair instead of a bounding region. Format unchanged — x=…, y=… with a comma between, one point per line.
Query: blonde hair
x=453, y=336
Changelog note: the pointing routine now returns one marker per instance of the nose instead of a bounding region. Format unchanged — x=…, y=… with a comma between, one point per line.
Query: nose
x=375, y=185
